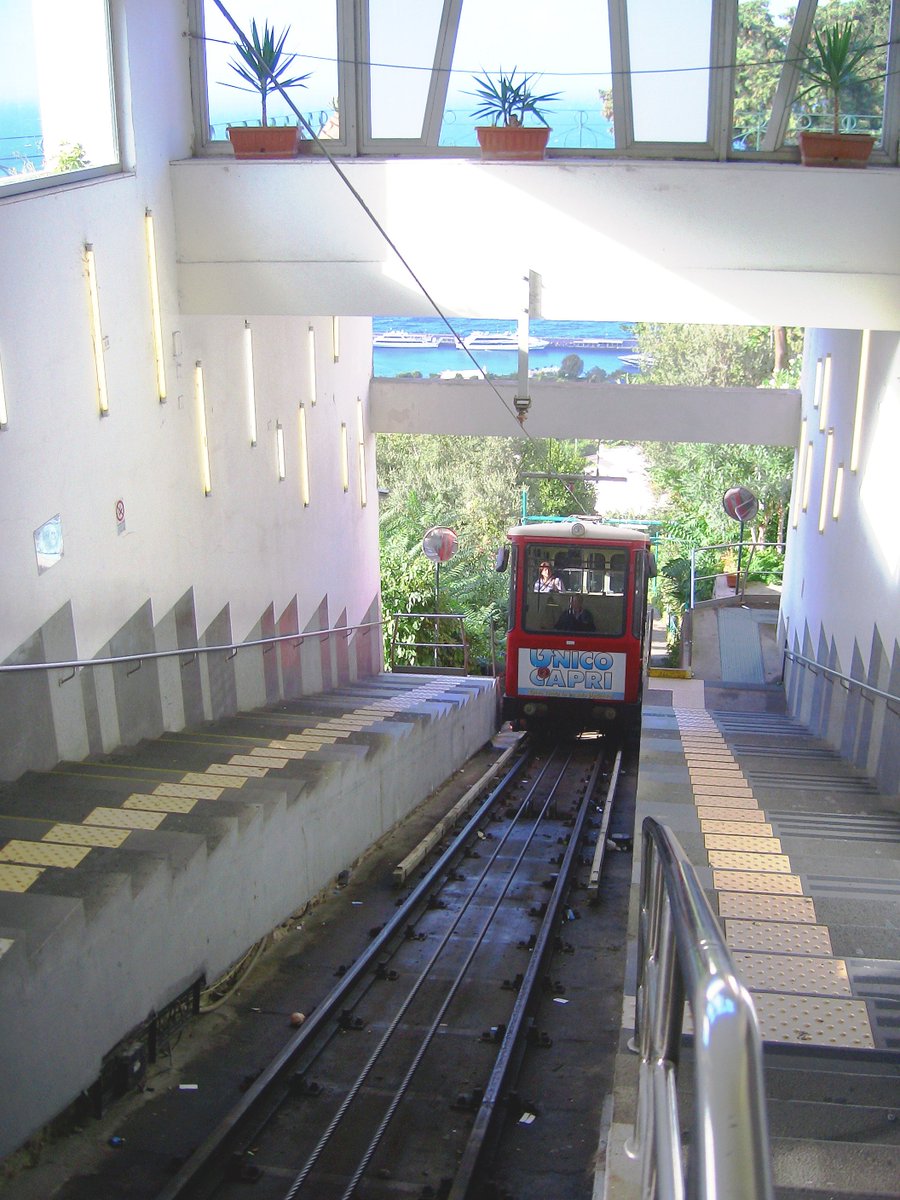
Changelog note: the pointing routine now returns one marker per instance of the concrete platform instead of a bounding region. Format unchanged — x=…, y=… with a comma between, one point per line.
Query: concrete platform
x=127, y=881
x=799, y=855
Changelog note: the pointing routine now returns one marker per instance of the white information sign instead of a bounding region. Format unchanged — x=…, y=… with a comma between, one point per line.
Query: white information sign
x=594, y=673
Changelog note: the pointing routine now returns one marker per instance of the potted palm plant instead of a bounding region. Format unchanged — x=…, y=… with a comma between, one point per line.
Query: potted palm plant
x=506, y=103
x=262, y=64
x=831, y=66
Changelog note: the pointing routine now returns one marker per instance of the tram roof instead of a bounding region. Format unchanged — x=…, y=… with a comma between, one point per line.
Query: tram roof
x=578, y=529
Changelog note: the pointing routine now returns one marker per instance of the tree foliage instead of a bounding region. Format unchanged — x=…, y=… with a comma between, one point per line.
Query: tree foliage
x=473, y=486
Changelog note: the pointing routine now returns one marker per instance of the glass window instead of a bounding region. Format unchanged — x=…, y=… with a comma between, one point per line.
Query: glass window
x=596, y=577
x=862, y=101
x=669, y=47
x=762, y=42
x=402, y=38
x=567, y=50
x=57, y=112
x=312, y=38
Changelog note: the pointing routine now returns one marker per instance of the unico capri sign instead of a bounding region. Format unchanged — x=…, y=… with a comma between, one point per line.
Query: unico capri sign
x=594, y=673
x=439, y=544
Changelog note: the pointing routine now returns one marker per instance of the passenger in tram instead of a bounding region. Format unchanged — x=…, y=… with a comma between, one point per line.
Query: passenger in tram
x=548, y=580
x=576, y=617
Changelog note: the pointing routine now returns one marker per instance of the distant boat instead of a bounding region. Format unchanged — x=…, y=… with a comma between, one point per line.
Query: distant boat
x=632, y=360
x=500, y=341
x=401, y=339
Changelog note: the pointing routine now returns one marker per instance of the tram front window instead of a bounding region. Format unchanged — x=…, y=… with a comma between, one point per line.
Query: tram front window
x=597, y=575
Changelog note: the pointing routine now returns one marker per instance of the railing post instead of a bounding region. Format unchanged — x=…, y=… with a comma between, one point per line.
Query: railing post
x=693, y=576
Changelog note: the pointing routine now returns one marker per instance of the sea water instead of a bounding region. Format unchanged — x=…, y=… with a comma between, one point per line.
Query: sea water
x=389, y=362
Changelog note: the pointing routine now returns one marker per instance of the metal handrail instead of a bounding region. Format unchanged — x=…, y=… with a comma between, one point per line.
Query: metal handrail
x=437, y=644
x=848, y=679
x=682, y=955
x=74, y=664
x=695, y=550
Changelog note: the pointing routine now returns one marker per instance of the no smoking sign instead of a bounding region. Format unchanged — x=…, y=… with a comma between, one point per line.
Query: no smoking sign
x=120, y=516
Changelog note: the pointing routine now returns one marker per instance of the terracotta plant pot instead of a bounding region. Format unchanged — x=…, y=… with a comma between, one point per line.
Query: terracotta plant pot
x=266, y=141
x=512, y=142
x=835, y=149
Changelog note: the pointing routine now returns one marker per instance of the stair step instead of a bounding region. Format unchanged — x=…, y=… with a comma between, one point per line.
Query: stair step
x=810, y=1170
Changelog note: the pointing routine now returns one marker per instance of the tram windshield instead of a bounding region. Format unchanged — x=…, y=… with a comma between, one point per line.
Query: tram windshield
x=575, y=588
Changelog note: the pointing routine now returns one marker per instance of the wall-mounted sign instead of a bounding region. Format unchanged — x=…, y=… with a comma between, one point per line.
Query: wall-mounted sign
x=120, y=516
x=48, y=544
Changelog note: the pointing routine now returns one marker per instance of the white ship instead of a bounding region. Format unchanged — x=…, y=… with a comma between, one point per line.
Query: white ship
x=500, y=341
x=400, y=339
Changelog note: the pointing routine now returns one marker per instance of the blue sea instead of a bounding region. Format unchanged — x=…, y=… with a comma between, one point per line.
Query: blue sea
x=20, y=137
x=389, y=362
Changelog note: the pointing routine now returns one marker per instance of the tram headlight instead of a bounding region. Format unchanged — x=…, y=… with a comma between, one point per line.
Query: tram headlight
x=577, y=529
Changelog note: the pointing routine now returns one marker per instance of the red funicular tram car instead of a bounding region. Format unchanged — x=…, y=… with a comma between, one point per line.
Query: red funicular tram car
x=578, y=641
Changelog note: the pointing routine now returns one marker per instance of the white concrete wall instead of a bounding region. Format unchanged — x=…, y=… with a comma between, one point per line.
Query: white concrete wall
x=732, y=243
x=648, y=413
x=841, y=600
x=250, y=544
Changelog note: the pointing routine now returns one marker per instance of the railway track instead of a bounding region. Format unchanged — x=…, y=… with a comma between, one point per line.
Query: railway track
x=398, y=1083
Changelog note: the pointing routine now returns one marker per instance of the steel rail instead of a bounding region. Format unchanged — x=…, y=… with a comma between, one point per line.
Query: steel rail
x=219, y=1142
x=512, y=1046
x=76, y=664
x=849, y=680
x=682, y=955
x=424, y=976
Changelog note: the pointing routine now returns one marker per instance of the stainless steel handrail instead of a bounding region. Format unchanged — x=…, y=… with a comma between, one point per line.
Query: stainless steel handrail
x=183, y=651
x=848, y=679
x=437, y=644
x=682, y=956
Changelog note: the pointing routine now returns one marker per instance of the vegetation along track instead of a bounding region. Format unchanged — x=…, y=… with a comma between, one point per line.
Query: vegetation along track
x=398, y=1082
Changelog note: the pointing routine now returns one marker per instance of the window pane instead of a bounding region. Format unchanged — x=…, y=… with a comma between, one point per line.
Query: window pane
x=567, y=49
x=597, y=576
x=669, y=46
x=763, y=32
x=56, y=112
x=403, y=36
x=861, y=107
x=312, y=38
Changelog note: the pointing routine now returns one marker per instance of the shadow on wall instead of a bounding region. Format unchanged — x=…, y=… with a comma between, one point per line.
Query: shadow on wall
x=47, y=716
x=863, y=727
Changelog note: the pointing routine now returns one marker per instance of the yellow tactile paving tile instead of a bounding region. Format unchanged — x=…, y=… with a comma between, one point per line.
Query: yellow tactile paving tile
x=78, y=835
x=120, y=818
x=813, y=1020
x=217, y=778
x=232, y=769
x=188, y=791
x=42, y=854
x=711, y=793
x=18, y=879
x=308, y=740
x=161, y=804
x=734, y=800
x=709, y=812
x=792, y=974
x=740, y=828
x=761, y=907
x=736, y=860
x=722, y=787
x=752, y=845
x=778, y=937
x=773, y=883
x=269, y=757
x=720, y=774
x=251, y=764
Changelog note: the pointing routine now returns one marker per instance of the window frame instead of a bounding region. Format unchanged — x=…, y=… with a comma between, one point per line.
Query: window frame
x=354, y=88
x=118, y=103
